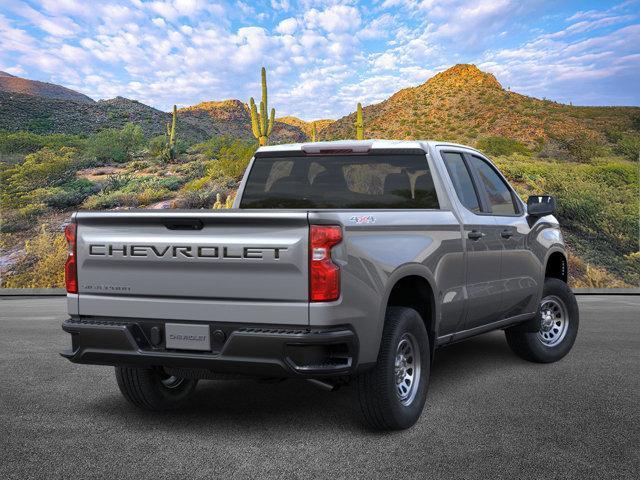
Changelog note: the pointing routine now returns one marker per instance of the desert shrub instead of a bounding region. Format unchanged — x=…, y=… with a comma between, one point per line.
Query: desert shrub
x=152, y=195
x=580, y=146
x=108, y=200
x=40, y=125
x=105, y=146
x=116, y=145
x=116, y=182
x=225, y=146
x=501, y=146
x=191, y=170
x=157, y=145
x=234, y=159
x=28, y=142
x=584, y=275
x=138, y=165
x=195, y=184
x=43, y=266
x=45, y=168
x=20, y=219
x=171, y=183
x=191, y=199
x=67, y=195
x=629, y=146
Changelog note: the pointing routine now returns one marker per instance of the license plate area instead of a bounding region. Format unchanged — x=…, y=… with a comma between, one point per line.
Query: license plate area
x=187, y=336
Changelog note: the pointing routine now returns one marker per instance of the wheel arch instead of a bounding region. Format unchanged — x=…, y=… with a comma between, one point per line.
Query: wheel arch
x=556, y=265
x=412, y=286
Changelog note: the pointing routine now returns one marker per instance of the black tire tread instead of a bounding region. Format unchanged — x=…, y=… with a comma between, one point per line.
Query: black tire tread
x=526, y=344
x=142, y=389
x=375, y=407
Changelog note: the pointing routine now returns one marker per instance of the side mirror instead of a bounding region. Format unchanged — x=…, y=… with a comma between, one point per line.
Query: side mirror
x=541, y=205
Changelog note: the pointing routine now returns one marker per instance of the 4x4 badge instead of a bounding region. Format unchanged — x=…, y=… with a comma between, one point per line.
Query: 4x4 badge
x=363, y=219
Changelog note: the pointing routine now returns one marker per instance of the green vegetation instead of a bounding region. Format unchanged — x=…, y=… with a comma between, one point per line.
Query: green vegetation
x=314, y=133
x=44, y=264
x=27, y=142
x=43, y=169
x=359, y=124
x=629, y=146
x=494, y=146
x=260, y=125
x=580, y=146
x=116, y=145
x=597, y=205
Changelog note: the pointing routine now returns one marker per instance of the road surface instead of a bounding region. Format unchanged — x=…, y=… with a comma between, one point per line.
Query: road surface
x=489, y=414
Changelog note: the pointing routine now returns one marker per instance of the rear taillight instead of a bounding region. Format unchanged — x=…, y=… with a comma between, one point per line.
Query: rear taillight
x=71, y=267
x=324, y=275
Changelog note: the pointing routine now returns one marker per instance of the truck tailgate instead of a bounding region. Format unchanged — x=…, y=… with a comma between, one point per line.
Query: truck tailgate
x=197, y=265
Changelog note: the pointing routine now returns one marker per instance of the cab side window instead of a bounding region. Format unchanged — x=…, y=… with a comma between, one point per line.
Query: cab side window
x=501, y=201
x=461, y=179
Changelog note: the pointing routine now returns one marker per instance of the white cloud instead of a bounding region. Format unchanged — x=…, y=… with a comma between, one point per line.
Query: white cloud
x=386, y=61
x=287, y=26
x=338, y=18
x=280, y=5
x=56, y=26
x=378, y=27
x=15, y=70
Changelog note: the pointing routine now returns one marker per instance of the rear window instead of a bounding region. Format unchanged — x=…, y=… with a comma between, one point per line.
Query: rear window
x=355, y=181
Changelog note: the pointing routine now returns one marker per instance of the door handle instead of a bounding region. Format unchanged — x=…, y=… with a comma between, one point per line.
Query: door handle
x=506, y=234
x=475, y=235
x=183, y=224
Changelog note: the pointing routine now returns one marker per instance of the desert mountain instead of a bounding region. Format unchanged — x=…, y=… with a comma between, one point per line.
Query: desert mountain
x=463, y=104
x=306, y=126
x=12, y=84
x=39, y=110
x=232, y=117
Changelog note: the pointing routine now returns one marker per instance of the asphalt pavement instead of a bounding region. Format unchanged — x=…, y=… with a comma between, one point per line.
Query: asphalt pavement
x=489, y=415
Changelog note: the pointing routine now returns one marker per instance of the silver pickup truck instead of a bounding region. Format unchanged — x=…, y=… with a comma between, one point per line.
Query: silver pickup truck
x=340, y=262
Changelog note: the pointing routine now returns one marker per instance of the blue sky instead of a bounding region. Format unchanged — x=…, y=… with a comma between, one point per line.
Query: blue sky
x=322, y=56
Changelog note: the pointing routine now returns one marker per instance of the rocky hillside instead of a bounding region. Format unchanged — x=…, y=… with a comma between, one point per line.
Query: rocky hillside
x=46, y=108
x=463, y=104
x=12, y=84
x=47, y=115
x=306, y=126
x=232, y=117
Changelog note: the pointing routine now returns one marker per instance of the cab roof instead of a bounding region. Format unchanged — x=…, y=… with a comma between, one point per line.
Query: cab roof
x=358, y=146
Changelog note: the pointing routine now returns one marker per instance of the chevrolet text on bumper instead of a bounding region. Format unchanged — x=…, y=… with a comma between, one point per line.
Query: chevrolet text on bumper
x=341, y=262
x=274, y=351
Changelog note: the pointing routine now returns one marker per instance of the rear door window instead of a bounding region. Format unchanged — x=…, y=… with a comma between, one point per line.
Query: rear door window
x=461, y=179
x=334, y=182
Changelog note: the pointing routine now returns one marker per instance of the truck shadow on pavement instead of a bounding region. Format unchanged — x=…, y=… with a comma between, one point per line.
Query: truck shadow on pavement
x=295, y=404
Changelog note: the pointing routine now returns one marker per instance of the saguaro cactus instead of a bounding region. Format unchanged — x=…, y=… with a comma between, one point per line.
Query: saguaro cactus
x=260, y=124
x=314, y=133
x=359, y=125
x=171, y=135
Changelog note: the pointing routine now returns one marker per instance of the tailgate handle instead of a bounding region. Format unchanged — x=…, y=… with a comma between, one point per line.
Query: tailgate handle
x=184, y=224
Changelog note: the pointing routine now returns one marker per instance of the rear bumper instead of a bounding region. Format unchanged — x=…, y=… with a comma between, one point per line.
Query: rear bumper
x=255, y=350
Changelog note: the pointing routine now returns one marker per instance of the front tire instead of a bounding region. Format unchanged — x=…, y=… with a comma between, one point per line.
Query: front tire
x=393, y=393
x=558, y=318
x=153, y=389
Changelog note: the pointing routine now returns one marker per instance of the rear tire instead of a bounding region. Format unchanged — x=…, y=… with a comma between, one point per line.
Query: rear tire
x=558, y=317
x=393, y=393
x=153, y=389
